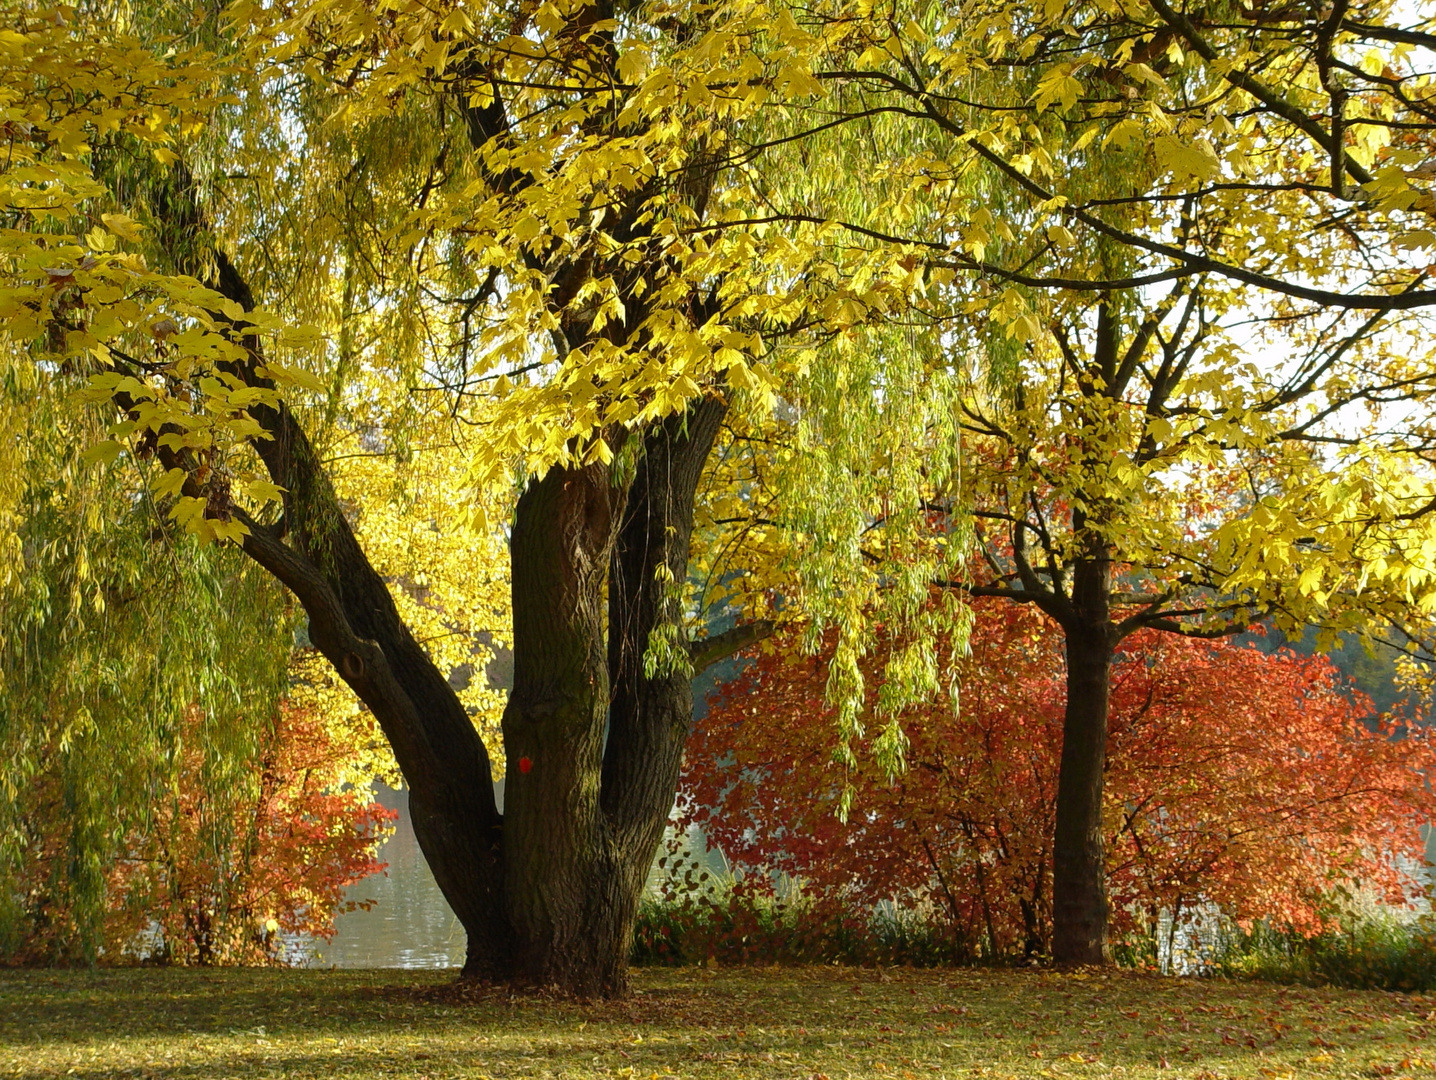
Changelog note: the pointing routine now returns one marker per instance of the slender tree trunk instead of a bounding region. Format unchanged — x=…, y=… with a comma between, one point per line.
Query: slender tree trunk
x=1079, y=887
x=353, y=621
x=1031, y=929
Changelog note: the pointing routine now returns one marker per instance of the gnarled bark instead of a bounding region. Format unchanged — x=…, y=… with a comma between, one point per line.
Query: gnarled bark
x=556, y=846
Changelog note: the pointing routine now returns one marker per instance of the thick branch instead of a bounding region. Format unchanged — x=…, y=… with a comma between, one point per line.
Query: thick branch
x=1259, y=90
x=712, y=650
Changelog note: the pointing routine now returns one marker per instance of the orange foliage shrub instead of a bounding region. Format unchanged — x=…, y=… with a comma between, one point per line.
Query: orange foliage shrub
x=209, y=873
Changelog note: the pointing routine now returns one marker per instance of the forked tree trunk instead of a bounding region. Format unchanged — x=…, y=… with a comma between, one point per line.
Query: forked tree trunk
x=546, y=892
x=593, y=742
x=1079, y=884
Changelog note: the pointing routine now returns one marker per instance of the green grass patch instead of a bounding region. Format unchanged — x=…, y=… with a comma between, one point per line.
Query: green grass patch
x=692, y=1022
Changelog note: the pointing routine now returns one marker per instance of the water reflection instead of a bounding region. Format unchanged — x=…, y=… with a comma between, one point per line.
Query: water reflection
x=410, y=924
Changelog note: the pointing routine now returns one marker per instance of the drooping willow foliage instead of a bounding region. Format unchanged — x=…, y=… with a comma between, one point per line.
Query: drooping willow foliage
x=116, y=627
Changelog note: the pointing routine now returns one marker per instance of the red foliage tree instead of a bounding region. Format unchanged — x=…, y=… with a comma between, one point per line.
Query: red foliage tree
x=1251, y=780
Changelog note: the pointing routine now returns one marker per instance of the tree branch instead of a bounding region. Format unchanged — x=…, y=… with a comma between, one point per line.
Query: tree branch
x=711, y=650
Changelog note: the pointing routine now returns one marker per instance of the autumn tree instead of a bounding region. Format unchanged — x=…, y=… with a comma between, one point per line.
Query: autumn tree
x=1250, y=780
x=573, y=232
x=115, y=638
x=1151, y=472
x=566, y=204
x=199, y=872
x=176, y=780
x=520, y=243
x=1099, y=186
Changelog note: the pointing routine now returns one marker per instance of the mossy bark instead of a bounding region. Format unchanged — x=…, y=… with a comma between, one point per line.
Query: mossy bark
x=593, y=734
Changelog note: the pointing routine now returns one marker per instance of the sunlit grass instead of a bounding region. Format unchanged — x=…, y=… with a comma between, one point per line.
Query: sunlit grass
x=689, y=1022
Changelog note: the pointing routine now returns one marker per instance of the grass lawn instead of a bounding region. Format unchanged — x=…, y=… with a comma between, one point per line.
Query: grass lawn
x=730, y=1023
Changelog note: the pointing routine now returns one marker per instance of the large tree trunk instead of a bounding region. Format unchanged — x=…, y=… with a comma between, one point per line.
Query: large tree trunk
x=548, y=891
x=593, y=742
x=558, y=850
x=1079, y=884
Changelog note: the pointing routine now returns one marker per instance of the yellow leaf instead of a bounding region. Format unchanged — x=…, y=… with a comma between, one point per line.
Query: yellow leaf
x=122, y=225
x=264, y=491
x=102, y=452
x=1057, y=86
x=1143, y=73
x=1196, y=159
x=1416, y=238
x=1123, y=132
x=600, y=451
x=457, y=22
x=232, y=529
x=294, y=377
x=188, y=512
x=172, y=483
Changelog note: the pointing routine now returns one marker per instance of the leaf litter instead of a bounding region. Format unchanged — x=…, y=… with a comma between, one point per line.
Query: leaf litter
x=803, y=1023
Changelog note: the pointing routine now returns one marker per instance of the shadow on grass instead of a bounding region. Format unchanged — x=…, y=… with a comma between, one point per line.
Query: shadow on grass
x=686, y=1022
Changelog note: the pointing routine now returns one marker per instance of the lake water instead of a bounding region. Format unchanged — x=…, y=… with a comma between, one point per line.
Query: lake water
x=410, y=924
